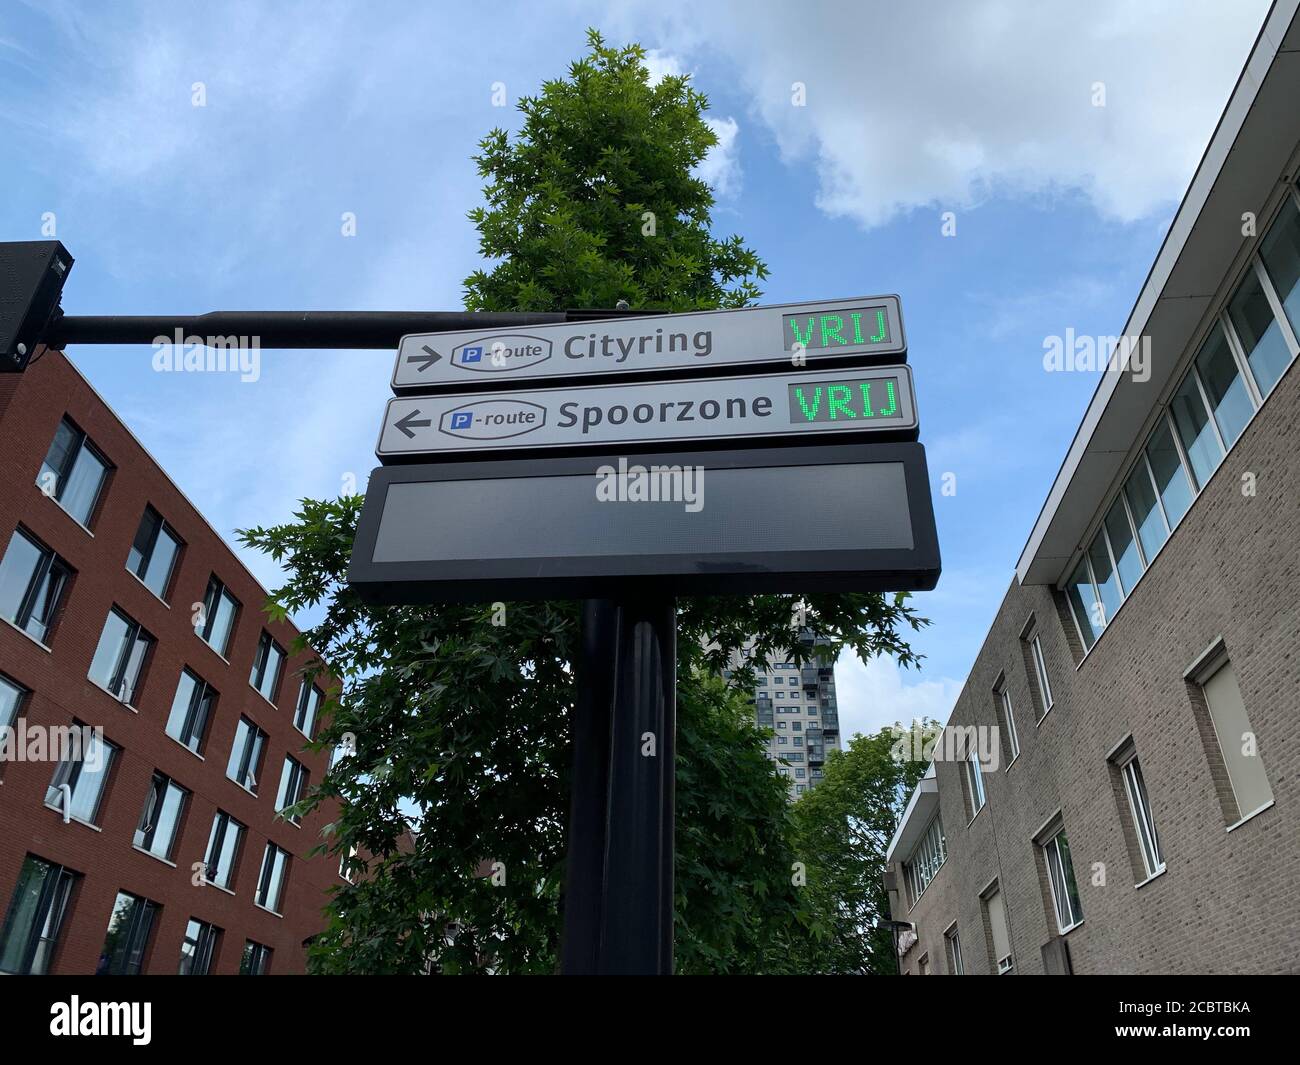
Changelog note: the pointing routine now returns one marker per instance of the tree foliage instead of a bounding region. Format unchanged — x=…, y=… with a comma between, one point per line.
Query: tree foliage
x=461, y=715
x=842, y=830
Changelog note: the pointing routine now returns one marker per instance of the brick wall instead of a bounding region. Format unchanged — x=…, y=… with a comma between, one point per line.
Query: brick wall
x=1226, y=903
x=31, y=406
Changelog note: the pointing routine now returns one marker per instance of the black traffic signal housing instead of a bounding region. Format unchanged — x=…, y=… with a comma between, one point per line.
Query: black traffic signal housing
x=32, y=273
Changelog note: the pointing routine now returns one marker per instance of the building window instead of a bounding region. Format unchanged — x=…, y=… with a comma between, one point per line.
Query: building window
x=1139, y=807
x=293, y=786
x=217, y=619
x=128, y=936
x=197, y=948
x=926, y=859
x=120, y=657
x=923, y=966
x=73, y=472
x=1280, y=253
x=1237, y=743
x=245, y=764
x=83, y=772
x=952, y=945
x=191, y=711
x=256, y=960
x=160, y=821
x=800, y=774
x=1258, y=331
x=310, y=698
x=153, y=553
x=223, y=850
x=12, y=695
x=1060, y=880
x=270, y=884
x=974, y=782
x=1033, y=648
x=1007, y=719
x=995, y=914
x=35, y=917
x=268, y=664
x=32, y=582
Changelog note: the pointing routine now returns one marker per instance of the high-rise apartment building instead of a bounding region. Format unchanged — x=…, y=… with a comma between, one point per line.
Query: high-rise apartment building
x=154, y=720
x=798, y=704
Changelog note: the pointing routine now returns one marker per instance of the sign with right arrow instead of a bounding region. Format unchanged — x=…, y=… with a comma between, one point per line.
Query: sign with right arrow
x=825, y=333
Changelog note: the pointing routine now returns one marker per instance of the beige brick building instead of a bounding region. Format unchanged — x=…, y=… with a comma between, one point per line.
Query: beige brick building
x=1121, y=788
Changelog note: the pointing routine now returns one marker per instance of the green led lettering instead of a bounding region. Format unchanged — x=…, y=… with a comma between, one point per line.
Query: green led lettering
x=832, y=331
x=804, y=340
x=857, y=326
x=810, y=415
x=867, y=412
x=837, y=397
x=880, y=327
x=893, y=400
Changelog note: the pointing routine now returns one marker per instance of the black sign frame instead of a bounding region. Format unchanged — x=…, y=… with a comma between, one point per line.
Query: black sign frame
x=602, y=576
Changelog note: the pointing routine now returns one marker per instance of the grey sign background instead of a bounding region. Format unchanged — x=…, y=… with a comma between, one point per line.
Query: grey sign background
x=748, y=337
x=420, y=425
x=853, y=506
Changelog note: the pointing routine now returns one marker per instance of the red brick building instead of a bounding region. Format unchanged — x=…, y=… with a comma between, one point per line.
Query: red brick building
x=156, y=846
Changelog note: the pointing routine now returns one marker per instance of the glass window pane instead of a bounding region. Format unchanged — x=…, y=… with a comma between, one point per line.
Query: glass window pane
x=1082, y=603
x=16, y=570
x=222, y=622
x=111, y=645
x=57, y=459
x=10, y=696
x=1067, y=871
x=1195, y=430
x=159, y=572
x=1171, y=480
x=1224, y=386
x=82, y=488
x=24, y=912
x=1127, y=559
x=1260, y=335
x=1107, y=585
x=1281, y=254
x=1146, y=514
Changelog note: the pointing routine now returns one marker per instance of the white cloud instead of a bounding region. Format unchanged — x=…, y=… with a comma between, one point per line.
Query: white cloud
x=912, y=105
x=877, y=694
x=721, y=167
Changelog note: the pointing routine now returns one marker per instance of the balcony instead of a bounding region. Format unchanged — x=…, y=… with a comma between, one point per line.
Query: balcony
x=830, y=722
x=763, y=707
x=809, y=674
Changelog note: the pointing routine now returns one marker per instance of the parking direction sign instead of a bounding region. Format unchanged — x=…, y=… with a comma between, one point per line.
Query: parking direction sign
x=873, y=400
x=826, y=333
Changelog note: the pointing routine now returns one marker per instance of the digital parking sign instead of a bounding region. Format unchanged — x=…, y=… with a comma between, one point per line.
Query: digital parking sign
x=872, y=401
x=751, y=339
x=853, y=517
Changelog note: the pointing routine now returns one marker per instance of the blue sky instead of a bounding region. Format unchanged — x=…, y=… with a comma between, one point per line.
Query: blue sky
x=1060, y=138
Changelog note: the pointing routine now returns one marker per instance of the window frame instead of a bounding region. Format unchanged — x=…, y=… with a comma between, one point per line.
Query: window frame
x=204, y=696
x=61, y=476
x=47, y=919
x=295, y=777
x=266, y=646
x=146, y=557
x=267, y=877
x=134, y=947
x=1139, y=808
x=1051, y=846
x=214, y=593
x=70, y=771
x=975, y=783
x=305, y=692
x=135, y=632
x=216, y=845
x=48, y=562
x=155, y=803
x=205, y=944
x=251, y=757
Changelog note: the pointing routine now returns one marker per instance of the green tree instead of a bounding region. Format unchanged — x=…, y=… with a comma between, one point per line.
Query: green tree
x=466, y=720
x=842, y=830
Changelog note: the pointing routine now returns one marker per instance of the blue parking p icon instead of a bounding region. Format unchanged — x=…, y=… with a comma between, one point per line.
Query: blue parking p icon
x=463, y=419
x=474, y=354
